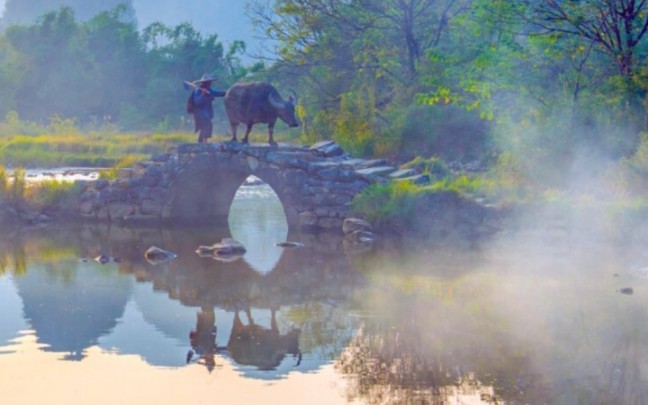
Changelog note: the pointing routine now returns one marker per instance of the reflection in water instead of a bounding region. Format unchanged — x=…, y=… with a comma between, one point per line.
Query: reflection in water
x=258, y=226
x=69, y=306
x=11, y=313
x=263, y=348
x=529, y=319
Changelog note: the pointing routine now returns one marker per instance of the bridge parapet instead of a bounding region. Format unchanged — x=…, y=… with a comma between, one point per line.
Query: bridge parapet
x=197, y=183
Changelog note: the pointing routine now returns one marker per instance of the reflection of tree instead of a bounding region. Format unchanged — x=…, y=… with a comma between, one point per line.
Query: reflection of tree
x=13, y=252
x=390, y=368
x=69, y=308
x=536, y=334
x=326, y=328
x=69, y=312
x=624, y=378
x=50, y=246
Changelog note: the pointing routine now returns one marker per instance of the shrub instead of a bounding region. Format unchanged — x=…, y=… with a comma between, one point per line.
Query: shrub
x=353, y=128
x=388, y=205
x=51, y=193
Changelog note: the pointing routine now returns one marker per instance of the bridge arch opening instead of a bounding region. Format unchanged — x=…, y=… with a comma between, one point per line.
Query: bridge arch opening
x=257, y=219
x=204, y=192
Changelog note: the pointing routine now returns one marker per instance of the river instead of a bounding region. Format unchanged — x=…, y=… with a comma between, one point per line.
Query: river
x=539, y=314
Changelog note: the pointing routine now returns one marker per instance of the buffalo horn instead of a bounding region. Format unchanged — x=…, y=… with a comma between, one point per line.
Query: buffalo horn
x=293, y=95
x=279, y=104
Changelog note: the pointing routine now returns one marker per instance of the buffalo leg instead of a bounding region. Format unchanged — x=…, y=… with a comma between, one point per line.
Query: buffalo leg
x=247, y=132
x=270, y=135
x=234, y=126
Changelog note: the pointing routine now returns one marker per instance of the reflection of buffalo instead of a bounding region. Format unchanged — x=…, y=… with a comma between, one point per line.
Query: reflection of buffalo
x=264, y=348
x=249, y=344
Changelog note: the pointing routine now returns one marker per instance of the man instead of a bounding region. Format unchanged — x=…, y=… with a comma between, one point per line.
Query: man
x=200, y=105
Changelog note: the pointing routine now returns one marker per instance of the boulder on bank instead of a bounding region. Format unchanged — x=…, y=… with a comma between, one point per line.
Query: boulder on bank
x=358, y=235
x=351, y=225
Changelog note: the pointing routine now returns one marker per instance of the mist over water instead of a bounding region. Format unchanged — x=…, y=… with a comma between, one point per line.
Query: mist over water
x=532, y=315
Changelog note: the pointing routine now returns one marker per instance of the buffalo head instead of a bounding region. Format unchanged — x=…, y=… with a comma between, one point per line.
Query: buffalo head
x=285, y=109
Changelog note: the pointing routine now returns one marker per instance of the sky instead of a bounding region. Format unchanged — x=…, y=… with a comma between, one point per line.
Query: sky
x=226, y=18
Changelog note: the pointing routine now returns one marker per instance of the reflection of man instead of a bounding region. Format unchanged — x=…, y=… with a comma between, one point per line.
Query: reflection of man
x=203, y=338
x=200, y=105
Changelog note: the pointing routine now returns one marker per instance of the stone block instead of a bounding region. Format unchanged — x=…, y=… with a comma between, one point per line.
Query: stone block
x=151, y=207
x=307, y=218
x=330, y=223
x=121, y=210
x=376, y=171
x=398, y=174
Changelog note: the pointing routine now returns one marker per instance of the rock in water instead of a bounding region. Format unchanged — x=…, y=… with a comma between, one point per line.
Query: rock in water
x=627, y=291
x=289, y=244
x=155, y=255
x=226, y=247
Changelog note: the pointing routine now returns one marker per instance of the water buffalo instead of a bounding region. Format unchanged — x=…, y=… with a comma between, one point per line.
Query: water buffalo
x=257, y=102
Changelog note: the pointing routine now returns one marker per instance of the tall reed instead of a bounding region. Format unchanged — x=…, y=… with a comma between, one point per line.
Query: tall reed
x=18, y=184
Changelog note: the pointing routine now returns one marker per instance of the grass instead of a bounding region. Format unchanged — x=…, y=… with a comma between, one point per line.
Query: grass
x=399, y=205
x=125, y=162
x=44, y=195
x=89, y=150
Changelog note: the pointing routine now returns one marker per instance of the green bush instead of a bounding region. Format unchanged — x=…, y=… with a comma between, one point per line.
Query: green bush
x=388, y=205
x=353, y=128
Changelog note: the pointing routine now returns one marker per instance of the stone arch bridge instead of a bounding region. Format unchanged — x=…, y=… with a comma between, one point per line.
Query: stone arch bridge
x=196, y=183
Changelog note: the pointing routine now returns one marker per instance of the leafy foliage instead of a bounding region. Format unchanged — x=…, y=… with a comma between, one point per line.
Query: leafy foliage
x=104, y=71
x=528, y=87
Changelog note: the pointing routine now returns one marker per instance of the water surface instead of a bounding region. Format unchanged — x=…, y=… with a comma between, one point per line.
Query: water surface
x=533, y=316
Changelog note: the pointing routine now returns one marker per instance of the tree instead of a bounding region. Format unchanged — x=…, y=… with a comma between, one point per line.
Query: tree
x=116, y=58
x=56, y=74
x=12, y=68
x=341, y=51
x=616, y=27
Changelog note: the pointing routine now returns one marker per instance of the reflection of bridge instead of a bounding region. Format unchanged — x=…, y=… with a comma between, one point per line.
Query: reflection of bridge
x=88, y=302
x=197, y=183
x=319, y=271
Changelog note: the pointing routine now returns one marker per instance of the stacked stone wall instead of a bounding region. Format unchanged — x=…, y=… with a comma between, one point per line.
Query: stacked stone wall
x=315, y=184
